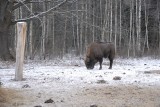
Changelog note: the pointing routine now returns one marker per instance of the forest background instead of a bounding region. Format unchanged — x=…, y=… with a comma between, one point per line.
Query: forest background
x=56, y=30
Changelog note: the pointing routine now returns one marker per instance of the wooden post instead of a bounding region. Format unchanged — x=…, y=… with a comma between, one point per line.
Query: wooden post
x=21, y=37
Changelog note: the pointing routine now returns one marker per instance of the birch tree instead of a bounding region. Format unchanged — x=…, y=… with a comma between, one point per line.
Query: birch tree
x=146, y=26
x=42, y=54
x=115, y=38
x=130, y=31
x=93, y=22
x=120, y=23
x=139, y=27
x=111, y=15
x=30, y=35
x=158, y=9
x=7, y=8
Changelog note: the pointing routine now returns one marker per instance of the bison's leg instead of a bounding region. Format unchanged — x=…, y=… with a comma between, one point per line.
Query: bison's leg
x=100, y=63
x=111, y=62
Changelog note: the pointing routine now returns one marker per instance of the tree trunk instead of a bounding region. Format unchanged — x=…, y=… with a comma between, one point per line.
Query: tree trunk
x=31, y=36
x=133, y=31
x=86, y=26
x=137, y=24
x=115, y=38
x=139, y=27
x=81, y=29
x=5, y=22
x=111, y=30
x=43, y=37
x=158, y=4
x=105, y=22
x=93, y=30
x=73, y=33
x=108, y=19
x=130, y=31
x=64, y=38
x=146, y=25
x=78, y=45
x=120, y=22
x=101, y=19
x=53, y=35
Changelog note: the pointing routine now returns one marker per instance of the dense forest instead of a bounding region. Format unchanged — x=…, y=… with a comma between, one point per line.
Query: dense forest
x=132, y=25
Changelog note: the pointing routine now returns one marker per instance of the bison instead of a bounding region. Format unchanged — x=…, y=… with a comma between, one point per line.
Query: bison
x=96, y=51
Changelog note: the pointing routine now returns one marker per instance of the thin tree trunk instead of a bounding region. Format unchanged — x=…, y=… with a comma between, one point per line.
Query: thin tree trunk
x=158, y=9
x=53, y=35
x=42, y=56
x=20, y=12
x=111, y=30
x=93, y=28
x=130, y=31
x=64, y=38
x=137, y=24
x=115, y=38
x=105, y=21
x=81, y=29
x=101, y=19
x=108, y=20
x=139, y=27
x=31, y=36
x=73, y=32
x=86, y=25
x=78, y=45
x=133, y=31
x=16, y=17
x=120, y=22
x=146, y=25
x=48, y=26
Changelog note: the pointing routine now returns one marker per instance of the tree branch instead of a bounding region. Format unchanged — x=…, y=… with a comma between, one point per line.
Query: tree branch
x=17, y=5
x=21, y=3
x=40, y=14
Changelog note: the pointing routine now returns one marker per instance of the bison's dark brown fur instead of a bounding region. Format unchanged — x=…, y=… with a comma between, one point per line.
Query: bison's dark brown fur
x=96, y=51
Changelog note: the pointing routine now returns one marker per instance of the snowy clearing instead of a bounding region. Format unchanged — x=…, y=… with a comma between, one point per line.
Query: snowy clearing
x=67, y=82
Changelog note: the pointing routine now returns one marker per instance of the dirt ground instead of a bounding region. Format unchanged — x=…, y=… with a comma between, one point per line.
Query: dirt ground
x=86, y=95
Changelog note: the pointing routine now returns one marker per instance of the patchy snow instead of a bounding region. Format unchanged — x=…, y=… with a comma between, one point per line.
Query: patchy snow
x=71, y=73
x=132, y=71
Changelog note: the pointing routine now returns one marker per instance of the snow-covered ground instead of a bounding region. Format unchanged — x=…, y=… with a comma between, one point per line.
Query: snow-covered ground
x=64, y=75
x=131, y=71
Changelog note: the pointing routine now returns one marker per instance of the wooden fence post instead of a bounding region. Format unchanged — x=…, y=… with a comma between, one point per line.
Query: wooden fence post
x=21, y=37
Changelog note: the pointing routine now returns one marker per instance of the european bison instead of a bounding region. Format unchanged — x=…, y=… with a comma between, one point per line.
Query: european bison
x=97, y=51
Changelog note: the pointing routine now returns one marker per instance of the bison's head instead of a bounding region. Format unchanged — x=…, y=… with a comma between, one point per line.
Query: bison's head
x=89, y=63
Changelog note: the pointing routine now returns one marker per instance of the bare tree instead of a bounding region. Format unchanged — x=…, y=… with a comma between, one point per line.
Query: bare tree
x=146, y=26
x=31, y=35
x=81, y=28
x=139, y=27
x=111, y=15
x=120, y=23
x=7, y=8
x=131, y=26
x=158, y=9
x=115, y=38
x=124, y=22
x=133, y=32
x=78, y=45
x=86, y=25
x=93, y=28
